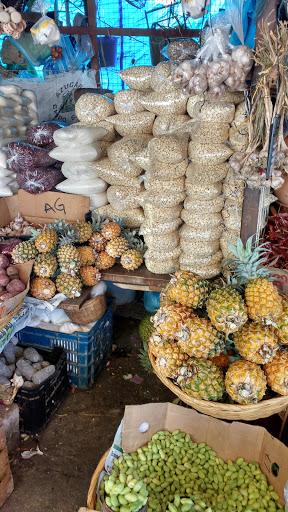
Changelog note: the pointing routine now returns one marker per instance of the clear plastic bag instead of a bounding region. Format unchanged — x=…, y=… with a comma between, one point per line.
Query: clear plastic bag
x=206, y=272
x=123, y=198
x=233, y=13
x=204, y=250
x=163, y=255
x=214, y=112
x=183, y=74
x=158, y=214
x=216, y=133
x=209, y=206
x=190, y=259
x=24, y=157
x=111, y=175
x=165, y=242
x=212, y=155
x=38, y=180
x=133, y=216
x=164, y=171
x=150, y=228
x=205, y=174
x=97, y=200
x=85, y=187
x=127, y=101
x=88, y=153
x=173, y=102
x=75, y=136
x=45, y=30
x=180, y=50
x=161, y=77
x=164, y=186
x=189, y=233
x=140, y=159
x=200, y=219
x=169, y=148
x=171, y=123
x=138, y=77
x=42, y=134
x=120, y=152
x=204, y=192
x=77, y=171
x=165, y=201
x=91, y=108
x=169, y=266
x=133, y=124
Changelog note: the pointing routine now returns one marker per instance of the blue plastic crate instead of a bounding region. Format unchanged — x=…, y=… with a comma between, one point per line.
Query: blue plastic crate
x=86, y=352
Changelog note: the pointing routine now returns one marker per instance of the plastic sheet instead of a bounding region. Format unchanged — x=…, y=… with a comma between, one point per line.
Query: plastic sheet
x=24, y=157
x=38, y=180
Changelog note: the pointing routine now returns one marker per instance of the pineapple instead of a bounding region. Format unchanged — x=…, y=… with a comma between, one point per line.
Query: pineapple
x=84, y=231
x=222, y=360
x=69, y=259
x=111, y=230
x=86, y=254
x=25, y=251
x=164, y=299
x=245, y=382
x=103, y=261
x=188, y=289
x=45, y=265
x=198, y=338
x=131, y=259
x=201, y=379
x=170, y=319
x=97, y=242
x=42, y=288
x=117, y=246
x=169, y=359
x=90, y=275
x=276, y=372
x=71, y=286
x=157, y=342
x=282, y=324
x=226, y=309
x=256, y=343
x=262, y=299
x=46, y=241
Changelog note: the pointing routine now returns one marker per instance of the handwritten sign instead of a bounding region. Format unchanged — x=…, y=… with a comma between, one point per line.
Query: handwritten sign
x=58, y=206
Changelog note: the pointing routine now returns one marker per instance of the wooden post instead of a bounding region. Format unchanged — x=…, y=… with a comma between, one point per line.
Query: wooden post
x=252, y=196
x=91, y=7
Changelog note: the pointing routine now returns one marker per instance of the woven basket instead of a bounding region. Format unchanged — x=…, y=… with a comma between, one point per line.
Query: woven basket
x=92, y=493
x=92, y=310
x=6, y=319
x=225, y=411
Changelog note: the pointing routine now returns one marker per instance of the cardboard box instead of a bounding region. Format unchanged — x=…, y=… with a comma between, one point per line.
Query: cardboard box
x=43, y=208
x=6, y=479
x=229, y=440
x=24, y=274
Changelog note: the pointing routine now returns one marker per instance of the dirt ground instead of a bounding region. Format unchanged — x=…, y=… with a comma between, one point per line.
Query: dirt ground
x=83, y=429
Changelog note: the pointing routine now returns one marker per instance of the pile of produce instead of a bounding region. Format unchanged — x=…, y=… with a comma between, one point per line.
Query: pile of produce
x=16, y=227
x=70, y=256
x=178, y=475
x=10, y=282
x=26, y=363
x=196, y=318
x=276, y=238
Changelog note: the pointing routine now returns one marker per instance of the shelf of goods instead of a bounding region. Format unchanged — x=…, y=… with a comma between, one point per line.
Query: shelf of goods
x=140, y=279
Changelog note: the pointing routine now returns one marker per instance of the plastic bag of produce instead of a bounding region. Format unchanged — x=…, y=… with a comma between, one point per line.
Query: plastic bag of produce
x=133, y=216
x=169, y=148
x=132, y=124
x=79, y=171
x=171, y=123
x=212, y=155
x=211, y=205
x=85, y=187
x=91, y=108
x=165, y=242
x=22, y=156
x=137, y=77
x=206, y=174
x=164, y=201
x=204, y=192
x=164, y=171
x=75, y=136
x=127, y=101
x=141, y=159
x=88, y=153
x=38, y=180
x=120, y=152
x=173, y=102
x=158, y=214
x=123, y=198
x=150, y=228
x=164, y=186
x=200, y=219
x=111, y=175
x=169, y=266
x=42, y=134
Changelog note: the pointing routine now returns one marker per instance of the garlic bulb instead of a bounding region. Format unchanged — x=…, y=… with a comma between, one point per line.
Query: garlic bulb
x=243, y=57
x=182, y=74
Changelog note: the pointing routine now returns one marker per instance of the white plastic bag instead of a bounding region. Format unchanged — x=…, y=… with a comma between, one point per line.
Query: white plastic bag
x=75, y=136
x=5, y=172
x=3, y=158
x=45, y=30
x=98, y=200
x=85, y=187
x=99, y=289
x=88, y=153
x=5, y=192
x=79, y=171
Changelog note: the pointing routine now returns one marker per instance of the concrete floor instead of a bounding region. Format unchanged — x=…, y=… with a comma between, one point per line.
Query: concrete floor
x=83, y=429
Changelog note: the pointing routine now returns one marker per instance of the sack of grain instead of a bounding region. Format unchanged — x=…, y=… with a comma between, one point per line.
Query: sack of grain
x=200, y=219
x=158, y=214
x=150, y=228
x=123, y=198
x=204, y=192
x=166, y=171
x=111, y=175
x=205, y=174
x=127, y=101
x=212, y=155
x=198, y=234
x=166, y=242
x=132, y=124
x=120, y=152
x=201, y=250
x=137, y=77
x=164, y=201
x=164, y=186
x=160, y=78
x=215, y=133
x=214, y=112
x=91, y=108
x=208, y=206
x=163, y=255
x=169, y=148
x=168, y=266
x=140, y=159
x=173, y=102
x=206, y=272
x=188, y=258
x=172, y=123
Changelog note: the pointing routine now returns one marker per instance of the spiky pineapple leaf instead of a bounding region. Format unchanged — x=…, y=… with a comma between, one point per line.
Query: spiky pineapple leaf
x=35, y=233
x=143, y=355
x=98, y=222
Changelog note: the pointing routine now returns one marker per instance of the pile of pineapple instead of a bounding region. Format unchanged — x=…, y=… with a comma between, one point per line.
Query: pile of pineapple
x=196, y=319
x=70, y=256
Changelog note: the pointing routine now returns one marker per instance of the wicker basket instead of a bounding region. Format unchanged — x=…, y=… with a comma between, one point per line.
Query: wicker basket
x=6, y=319
x=92, y=310
x=92, y=493
x=225, y=411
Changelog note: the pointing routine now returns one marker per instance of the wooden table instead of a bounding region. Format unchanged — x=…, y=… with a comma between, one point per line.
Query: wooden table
x=140, y=279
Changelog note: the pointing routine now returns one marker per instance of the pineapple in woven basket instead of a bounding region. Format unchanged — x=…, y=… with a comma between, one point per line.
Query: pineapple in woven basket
x=245, y=382
x=201, y=379
x=226, y=309
x=170, y=319
x=264, y=304
x=198, y=338
x=256, y=343
x=276, y=372
x=169, y=359
x=282, y=323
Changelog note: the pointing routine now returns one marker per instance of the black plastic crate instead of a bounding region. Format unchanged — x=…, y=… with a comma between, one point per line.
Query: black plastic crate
x=37, y=405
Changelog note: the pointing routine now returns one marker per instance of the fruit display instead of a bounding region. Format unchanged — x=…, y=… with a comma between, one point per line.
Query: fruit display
x=179, y=475
x=224, y=341
x=10, y=282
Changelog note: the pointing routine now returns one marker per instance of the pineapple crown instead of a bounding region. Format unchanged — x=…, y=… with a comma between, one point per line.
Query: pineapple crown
x=68, y=236
x=134, y=240
x=59, y=226
x=120, y=221
x=34, y=233
x=247, y=263
x=98, y=222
